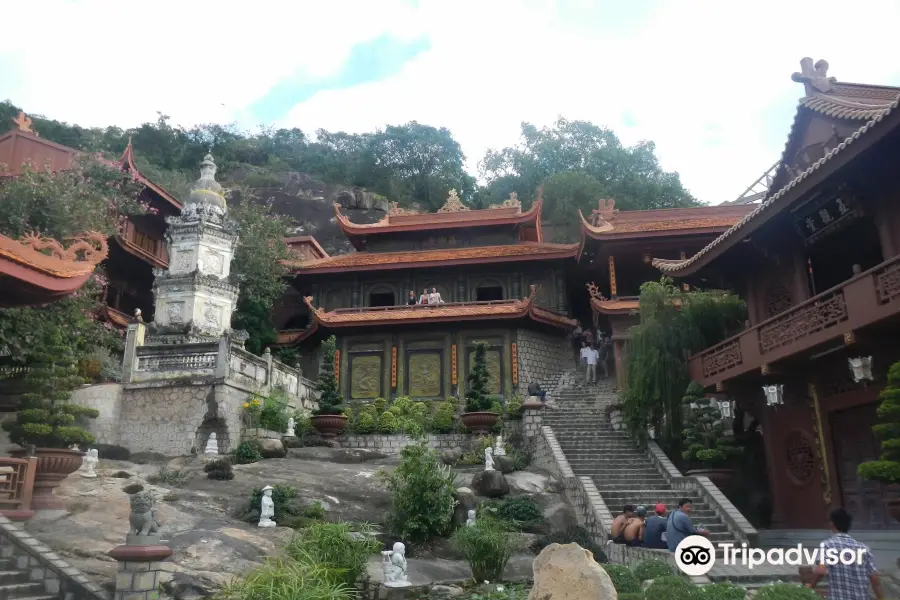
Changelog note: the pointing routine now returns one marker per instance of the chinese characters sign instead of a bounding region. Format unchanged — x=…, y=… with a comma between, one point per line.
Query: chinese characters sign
x=822, y=218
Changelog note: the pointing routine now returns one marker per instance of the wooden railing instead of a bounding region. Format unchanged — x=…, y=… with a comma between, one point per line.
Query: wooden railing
x=422, y=307
x=16, y=486
x=152, y=249
x=859, y=302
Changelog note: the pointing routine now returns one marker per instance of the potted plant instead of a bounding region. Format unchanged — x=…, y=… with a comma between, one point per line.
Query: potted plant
x=705, y=441
x=478, y=415
x=616, y=419
x=45, y=422
x=887, y=470
x=328, y=419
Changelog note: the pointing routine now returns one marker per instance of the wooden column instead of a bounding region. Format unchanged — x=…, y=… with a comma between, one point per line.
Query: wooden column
x=619, y=358
x=773, y=463
x=612, y=277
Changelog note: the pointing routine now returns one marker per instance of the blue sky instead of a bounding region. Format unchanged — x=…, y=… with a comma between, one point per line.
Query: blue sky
x=707, y=81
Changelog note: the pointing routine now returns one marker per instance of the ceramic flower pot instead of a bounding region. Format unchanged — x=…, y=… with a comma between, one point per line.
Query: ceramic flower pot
x=329, y=426
x=53, y=465
x=480, y=422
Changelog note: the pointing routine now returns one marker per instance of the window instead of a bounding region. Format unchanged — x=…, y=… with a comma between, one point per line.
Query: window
x=488, y=293
x=382, y=299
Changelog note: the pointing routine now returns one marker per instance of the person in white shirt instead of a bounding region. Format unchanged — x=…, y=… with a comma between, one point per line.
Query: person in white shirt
x=423, y=299
x=591, y=356
x=435, y=297
x=583, y=354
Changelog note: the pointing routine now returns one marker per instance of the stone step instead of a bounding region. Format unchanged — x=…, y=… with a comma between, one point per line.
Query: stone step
x=13, y=576
x=26, y=589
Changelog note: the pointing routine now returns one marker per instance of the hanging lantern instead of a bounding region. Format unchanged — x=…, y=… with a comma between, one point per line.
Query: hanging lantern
x=774, y=394
x=861, y=367
x=725, y=408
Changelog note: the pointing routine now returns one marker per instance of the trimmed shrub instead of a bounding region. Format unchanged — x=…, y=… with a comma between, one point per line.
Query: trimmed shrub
x=652, y=568
x=623, y=579
x=486, y=546
x=672, y=587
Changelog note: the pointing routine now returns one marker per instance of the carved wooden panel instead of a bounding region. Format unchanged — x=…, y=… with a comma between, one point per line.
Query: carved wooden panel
x=778, y=299
x=800, y=458
x=721, y=358
x=425, y=374
x=365, y=376
x=799, y=323
x=887, y=283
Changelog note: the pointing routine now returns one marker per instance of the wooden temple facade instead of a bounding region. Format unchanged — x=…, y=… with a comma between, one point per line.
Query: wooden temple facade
x=818, y=262
x=131, y=255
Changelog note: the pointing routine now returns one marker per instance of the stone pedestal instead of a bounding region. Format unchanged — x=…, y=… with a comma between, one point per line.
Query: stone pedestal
x=137, y=577
x=532, y=418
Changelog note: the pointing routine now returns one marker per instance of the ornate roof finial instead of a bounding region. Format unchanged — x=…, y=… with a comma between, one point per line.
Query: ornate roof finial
x=24, y=122
x=606, y=207
x=511, y=202
x=453, y=204
x=207, y=190
x=814, y=77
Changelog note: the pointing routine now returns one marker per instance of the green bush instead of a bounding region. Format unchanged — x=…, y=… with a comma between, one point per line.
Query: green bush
x=219, y=469
x=283, y=496
x=478, y=398
x=635, y=596
x=651, y=569
x=314, y=511
x=246, y=452
x=705, y=441
x=332, y=544
x=513, y=409
x=443, y=419
x=169, y=477
x=387, y=423
x=329, y=396
x=622, y=579
x=785, y=591
x=720, y=591
x=522, y=511
x=422, y=494
x=887, y=470
x=288, y=579
x=577, y=535
x=475, y=456
x=486, y=546
x=672, y=587
x=411, y=416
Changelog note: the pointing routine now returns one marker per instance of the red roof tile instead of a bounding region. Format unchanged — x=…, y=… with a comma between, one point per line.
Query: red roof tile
x=611, y=224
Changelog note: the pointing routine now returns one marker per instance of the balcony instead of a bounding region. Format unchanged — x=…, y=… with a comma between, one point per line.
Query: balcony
x=143, y=246
x=860, y=302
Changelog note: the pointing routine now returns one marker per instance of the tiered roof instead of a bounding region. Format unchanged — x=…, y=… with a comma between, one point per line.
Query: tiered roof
x=876, y=106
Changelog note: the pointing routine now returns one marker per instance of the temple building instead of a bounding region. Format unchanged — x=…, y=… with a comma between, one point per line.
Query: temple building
x=135, y=251
x=497, y=281
x=617, y=251
x=818, y=262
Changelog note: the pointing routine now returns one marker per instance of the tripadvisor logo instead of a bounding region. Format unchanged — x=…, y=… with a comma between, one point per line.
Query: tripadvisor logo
x=696, y=556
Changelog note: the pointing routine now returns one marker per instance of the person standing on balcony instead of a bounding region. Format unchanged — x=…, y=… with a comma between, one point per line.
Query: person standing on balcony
x=435, y=297
x=423, y=299
x=412, y=299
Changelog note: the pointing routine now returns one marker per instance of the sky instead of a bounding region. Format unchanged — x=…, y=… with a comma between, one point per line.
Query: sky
x=708, y=81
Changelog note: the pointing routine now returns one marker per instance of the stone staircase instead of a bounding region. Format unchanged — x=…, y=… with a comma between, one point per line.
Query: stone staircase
x=624, y=474
x=16, y=583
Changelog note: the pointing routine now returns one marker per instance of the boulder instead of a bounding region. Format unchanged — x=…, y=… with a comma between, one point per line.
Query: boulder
x=492, y=484
x=345, y=456
x=504, y=464
x=451, y=457
x=527, y=482
x=465, y=501
x=569, y=572
x=560, y=516
x=445, y=591
x=270, y=448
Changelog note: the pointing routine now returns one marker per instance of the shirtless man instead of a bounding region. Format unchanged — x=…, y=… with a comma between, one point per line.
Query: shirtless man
x=618, y=526
x=634, y=528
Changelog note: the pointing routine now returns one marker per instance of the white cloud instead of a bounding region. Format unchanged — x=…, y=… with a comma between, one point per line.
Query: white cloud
x=699, y=77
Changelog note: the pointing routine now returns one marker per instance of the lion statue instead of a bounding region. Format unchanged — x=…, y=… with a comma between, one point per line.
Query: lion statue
x=143, y=518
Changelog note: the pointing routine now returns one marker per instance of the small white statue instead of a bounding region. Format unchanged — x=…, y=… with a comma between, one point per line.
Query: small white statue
x=266, y=508
x=90, y=463
x=488, y=459
x=212, y=445
x=470, y=520
x=291, y=425
x=394, y=566
x=499, y=450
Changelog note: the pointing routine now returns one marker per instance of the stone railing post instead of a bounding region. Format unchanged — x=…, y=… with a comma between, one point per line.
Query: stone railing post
x=133, y=340
x=532, y=418
x=223, y=357
x=267, y=356
x=140, y=557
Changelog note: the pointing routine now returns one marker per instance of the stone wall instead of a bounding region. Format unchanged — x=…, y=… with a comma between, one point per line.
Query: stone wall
x=394, y=443
x=106, y=398
x=542, y=356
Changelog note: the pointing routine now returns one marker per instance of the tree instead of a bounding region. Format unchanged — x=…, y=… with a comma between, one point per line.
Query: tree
x=630, y=175
x=565, y=193
x=478, y=398
x=259, y=264
x=704, y=438
x=327, y=386
x=887, y=470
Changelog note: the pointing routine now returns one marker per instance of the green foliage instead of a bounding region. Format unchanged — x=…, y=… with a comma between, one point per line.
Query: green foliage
x=475, y=455
x=521, y=511
x=259, y=262
x=314, y=511
x=887, y=470
x=704, y=438
x=567, y=192
x=651, y=569
x=513, y=409
x=501, y=592
x=283, y=497
x=672, y=587
x=478, y=398
x=443, y=418
x=635, y=596
x=720, y=591
x=674, y=324
x=246, y=452
x=44, y=418
x=329, y=396
x=332, y=544
x=168, y=477
x=388, y=423
x=785, y=591
x=486, y=546
x=274, y=412
x=403, y=416
x=623, y=579
x=422, y=494
x=577, y=535
x=219, y=469
x=288, y=579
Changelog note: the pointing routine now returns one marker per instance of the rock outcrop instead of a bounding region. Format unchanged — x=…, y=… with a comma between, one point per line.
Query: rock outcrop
x=569, y=572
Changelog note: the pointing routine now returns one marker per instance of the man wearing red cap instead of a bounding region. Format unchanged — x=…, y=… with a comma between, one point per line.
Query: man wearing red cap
x=655, y=529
